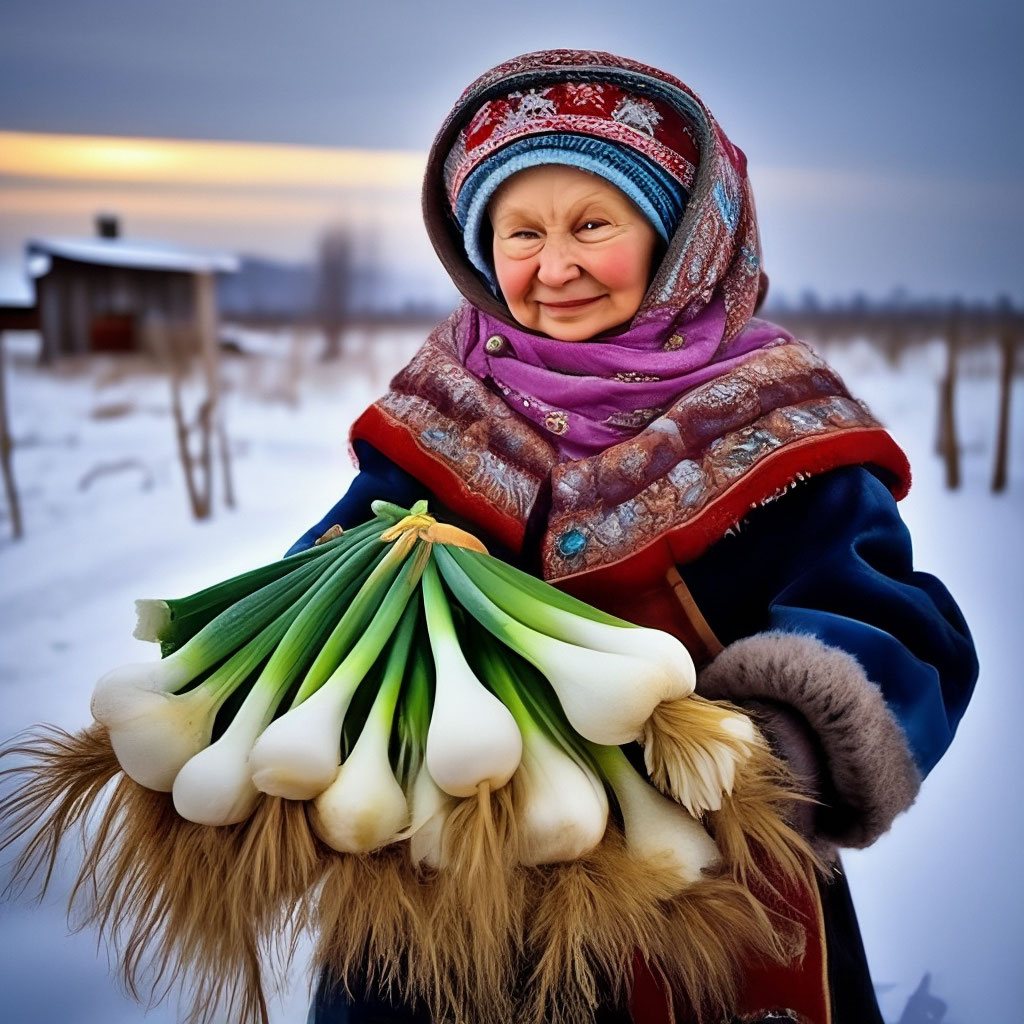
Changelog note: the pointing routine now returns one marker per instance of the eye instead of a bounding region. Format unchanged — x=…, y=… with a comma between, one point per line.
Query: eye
x=592, y=225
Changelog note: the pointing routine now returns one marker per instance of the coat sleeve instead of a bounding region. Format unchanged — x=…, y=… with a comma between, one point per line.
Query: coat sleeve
x=851, y=654
x=378, y=479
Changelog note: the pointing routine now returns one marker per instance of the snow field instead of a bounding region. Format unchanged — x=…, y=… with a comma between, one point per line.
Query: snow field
x=107, y=521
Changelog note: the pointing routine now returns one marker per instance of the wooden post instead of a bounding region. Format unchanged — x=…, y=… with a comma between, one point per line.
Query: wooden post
x=948, y=445
x=1008, y=328
x=206, y=323
x=6, y=445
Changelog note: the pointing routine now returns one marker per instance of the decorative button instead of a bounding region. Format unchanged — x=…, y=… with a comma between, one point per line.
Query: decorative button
x=557, y=422
x=571, y=543
x=494, y=344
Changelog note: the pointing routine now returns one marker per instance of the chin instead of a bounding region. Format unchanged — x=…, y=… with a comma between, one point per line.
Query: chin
x=582, y=331
x=568, y=335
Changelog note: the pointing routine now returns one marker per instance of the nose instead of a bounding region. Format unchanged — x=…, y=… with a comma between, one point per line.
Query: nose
x=557, y=262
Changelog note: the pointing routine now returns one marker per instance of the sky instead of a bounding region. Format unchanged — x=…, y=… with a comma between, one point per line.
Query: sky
x=911, y=85
x=884, y=145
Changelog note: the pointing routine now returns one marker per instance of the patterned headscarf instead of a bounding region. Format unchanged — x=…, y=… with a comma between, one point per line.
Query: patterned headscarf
x=716, y=245
x=601, y=110
x=694, y=321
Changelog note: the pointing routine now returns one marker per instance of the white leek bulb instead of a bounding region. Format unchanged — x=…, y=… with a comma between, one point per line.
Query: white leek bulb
x=563, y=808
x=539, y=607
x=119, y=685
x=215, y=787
x=153, y=733
x=431, y=806
x=606, y=697
x=364, y=808
x=297, y=755
x=654, y=645
x=657, y=828
x=472, y=739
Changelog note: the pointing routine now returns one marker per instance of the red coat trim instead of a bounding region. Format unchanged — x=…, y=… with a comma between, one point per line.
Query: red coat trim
x=648, y=565
x=693, y=537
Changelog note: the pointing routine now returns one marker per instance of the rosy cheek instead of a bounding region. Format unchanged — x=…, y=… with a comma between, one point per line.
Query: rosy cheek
x=620, y=267
x=514, y=277
x=616, y=268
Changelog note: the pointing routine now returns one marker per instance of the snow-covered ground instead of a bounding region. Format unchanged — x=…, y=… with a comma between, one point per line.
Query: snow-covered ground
x=106, y=521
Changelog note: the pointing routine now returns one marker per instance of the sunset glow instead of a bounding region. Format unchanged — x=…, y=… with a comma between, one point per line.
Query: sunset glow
x=193, y=162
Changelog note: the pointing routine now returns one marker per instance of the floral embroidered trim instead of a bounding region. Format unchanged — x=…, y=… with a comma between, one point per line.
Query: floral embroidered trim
x=638, y=113
x=636, y=418
x=466, y=157
x=634, y=377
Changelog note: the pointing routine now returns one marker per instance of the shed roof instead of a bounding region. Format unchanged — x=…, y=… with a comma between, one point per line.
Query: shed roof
x=126, y=253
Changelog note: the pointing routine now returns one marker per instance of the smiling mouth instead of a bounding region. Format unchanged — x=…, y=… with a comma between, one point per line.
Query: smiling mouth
x=572, y=303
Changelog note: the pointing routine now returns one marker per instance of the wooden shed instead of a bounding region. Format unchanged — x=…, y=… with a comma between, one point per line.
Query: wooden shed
x=111, y=294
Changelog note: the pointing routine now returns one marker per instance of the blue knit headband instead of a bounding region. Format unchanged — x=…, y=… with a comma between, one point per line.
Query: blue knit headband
x=659, y=196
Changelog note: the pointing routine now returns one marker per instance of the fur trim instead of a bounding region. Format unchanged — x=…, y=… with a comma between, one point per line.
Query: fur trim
x=871, y=775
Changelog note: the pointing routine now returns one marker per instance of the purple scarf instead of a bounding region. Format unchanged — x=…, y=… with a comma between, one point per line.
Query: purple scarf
x=588, y=395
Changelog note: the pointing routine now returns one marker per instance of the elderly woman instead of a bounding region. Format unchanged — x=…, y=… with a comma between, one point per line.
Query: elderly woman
x=606, y=410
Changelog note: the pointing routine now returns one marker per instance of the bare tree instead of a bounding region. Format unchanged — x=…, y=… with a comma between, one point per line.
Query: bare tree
x=1008, y=327
x=334, y=286
x=175, y=346
x=947, y=443
x=6, y=446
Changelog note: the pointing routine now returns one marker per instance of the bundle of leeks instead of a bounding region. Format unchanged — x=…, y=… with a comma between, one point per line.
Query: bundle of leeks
x=416, y=751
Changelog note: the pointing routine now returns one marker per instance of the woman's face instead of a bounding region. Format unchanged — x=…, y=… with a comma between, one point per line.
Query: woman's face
x=571, y=252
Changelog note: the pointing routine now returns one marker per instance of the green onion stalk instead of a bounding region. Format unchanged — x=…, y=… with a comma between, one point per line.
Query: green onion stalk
x=171, y=622
x=158, y=716
x=297, y=755
x=473, y=739
x=560, y=801
x=589, y=680
x=365, y=806
x=428, y=803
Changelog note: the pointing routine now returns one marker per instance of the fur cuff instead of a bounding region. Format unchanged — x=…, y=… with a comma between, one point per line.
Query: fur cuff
x=869, y=773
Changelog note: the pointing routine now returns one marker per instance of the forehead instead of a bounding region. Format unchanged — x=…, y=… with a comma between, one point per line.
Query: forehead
x=554, y=188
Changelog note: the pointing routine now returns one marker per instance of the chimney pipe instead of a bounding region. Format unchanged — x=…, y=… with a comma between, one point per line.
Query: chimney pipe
x=107, y=225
